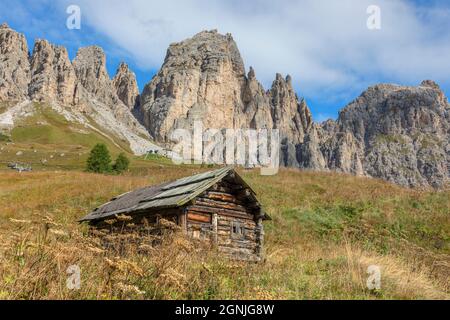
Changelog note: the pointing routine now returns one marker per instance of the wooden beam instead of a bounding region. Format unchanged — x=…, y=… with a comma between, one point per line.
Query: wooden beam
x=214, y=227
x=194, y=216
x=220, y=204
x=232, y=213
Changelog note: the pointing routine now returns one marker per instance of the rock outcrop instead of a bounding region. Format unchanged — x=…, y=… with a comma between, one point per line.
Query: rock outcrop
x=204, y=75
x=126, y=86
x=397, y=133
x=82, y=88
x=14, y=65
x=52, y=75
x=95, y=86
x=203, y=78
x=91, y=72
x=400, y=134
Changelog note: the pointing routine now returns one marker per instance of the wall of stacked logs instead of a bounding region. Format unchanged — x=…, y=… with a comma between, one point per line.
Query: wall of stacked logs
x=214, y=215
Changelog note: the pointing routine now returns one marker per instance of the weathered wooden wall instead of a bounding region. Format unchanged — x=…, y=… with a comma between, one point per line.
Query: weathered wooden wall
x=212, y=217
x=213, y=214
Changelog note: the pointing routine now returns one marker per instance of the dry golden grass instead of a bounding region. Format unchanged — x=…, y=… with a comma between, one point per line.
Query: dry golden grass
x=326, y=230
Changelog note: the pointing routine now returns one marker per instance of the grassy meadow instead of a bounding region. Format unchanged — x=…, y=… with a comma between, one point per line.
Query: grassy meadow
x=47, y=141
x=326, y=230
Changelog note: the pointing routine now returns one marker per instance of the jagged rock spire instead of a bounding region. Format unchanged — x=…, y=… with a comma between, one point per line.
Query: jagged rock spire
x=397, y=133
x=80, y=89
x=14, y=65
x=52, y=75
x=126, y=86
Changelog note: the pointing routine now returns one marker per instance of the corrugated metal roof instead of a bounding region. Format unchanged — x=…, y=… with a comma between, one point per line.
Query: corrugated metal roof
x=168, y=195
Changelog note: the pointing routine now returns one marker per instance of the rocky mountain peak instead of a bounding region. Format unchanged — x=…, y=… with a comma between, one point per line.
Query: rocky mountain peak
x=93, y=55
x=126, y=86
x=209, y=49
x=14, y=65
x=430, y=84
x=251, y=74
x=123, y=68
x=205, y=73
x=290, y=115
x=52, y=75
x=91, y=72
x=81, y=91
x=90, y=65
x=397, y=133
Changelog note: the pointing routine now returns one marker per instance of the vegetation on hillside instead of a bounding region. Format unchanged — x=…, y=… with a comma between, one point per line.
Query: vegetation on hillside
x=326, y=230
x=121, y=164
x=99, y=160
x=48, y=141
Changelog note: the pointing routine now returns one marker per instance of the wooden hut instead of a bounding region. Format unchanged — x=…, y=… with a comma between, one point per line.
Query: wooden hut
x=217, y=206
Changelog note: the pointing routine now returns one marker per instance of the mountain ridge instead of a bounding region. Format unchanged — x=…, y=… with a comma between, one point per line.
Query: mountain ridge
x=397, y=133
x=82, y=87
x=408, y=128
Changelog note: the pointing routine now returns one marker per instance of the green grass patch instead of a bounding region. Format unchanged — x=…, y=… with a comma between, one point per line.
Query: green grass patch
x=50, y=128
x=4, y=138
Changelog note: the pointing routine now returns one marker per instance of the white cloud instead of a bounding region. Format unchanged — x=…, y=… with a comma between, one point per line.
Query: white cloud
x=325, y=45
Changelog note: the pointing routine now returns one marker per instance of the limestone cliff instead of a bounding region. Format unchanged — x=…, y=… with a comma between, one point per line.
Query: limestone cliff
x=400, y=134
x=397, y=133
x=52, y=75
x=204, y=78
x=126, y=86
x=81, y=89
x=14, y=65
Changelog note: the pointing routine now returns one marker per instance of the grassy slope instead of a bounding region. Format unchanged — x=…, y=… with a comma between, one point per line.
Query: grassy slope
x=326, y=230
x=47, y=135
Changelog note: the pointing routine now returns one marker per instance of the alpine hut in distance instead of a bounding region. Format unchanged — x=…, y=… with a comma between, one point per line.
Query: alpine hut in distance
x=217, y=206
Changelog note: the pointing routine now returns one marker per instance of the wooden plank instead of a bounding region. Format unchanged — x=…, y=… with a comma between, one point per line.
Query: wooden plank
x=214, y=227
x=203, y=209
x=227, y=234
x=223, y=196
x=221, y=205
x=245, y=243
x=237, y=215
x=194, y=216
x=246, y=220
x=221, y=211
x=227, y=226
x=200, y=212
x=183, y=221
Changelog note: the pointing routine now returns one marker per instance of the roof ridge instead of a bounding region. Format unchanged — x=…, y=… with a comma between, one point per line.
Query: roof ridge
x=191, y=179
x=170, y=194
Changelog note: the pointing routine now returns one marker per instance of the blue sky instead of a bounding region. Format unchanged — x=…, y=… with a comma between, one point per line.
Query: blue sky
x=324, y=45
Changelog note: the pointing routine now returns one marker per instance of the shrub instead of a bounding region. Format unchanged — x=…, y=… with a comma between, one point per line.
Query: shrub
x=122, y=163
x=4, y=138
x=99, y=160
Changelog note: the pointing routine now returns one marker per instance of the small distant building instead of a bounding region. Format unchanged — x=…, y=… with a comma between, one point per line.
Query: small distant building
x=217, y=206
